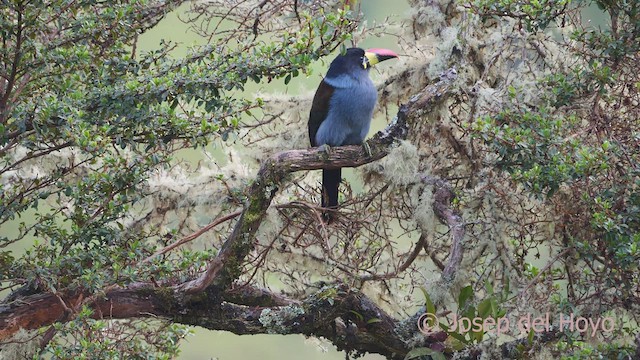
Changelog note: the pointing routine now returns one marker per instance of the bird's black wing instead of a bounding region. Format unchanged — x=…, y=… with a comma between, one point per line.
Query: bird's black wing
x=319, y=109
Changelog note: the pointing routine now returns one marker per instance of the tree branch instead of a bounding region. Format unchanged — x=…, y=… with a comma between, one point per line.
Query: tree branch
x=443, y=195
x=226, y=267
x=349, y=319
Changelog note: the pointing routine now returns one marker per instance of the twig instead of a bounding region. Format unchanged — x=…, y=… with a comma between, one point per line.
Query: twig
x=193, y=236
x=443, y=195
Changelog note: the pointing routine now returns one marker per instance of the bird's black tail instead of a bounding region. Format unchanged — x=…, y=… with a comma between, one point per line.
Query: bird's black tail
x=330, y=181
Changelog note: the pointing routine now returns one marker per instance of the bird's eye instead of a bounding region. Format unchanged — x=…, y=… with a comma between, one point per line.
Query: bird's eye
x=365, y=62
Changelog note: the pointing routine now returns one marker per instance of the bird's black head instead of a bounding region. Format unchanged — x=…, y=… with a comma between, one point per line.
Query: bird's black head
x=356, y=59
x=352, y=60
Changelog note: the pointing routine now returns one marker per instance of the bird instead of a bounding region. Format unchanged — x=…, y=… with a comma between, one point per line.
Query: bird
x=342, y=109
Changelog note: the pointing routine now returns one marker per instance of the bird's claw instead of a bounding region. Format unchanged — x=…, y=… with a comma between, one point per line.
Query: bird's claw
x=326, y=149
x=367, y=148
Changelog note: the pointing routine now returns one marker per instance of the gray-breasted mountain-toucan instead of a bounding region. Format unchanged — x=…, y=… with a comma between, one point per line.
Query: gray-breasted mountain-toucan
x=342, y=109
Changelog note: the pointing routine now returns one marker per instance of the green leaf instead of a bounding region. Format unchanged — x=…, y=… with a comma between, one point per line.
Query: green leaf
x=419, y=352
x=465, y=294
x=488, y=287
x=530, y=337
x=505, y=290
x=430, y=308
x=484, y=308
x=461, y=338
x=357, y=314
x=477, y=336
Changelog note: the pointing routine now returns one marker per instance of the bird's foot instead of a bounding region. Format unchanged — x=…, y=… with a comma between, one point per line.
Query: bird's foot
x=329, y=216
x=326, y=149
x=367, y=148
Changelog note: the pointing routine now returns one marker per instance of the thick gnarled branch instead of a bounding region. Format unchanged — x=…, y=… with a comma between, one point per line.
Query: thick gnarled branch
x=349, y=319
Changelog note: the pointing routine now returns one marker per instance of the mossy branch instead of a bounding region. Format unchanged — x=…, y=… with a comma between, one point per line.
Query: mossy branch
x=347, y=318
x=226, y=267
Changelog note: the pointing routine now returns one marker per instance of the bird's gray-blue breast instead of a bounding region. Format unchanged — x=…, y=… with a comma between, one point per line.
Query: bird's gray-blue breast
x=350, y=110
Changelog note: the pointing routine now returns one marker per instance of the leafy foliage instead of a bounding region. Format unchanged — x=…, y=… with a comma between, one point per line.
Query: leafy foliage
x=579, y=143
x=86, y=338
x=86, y=120
x=535, y=15
x=540, y=144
